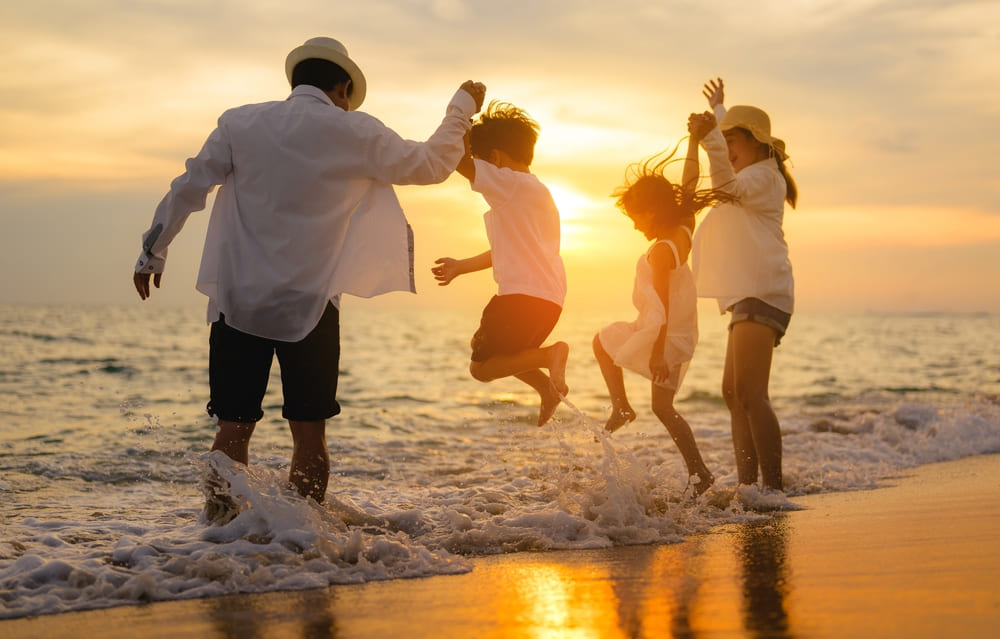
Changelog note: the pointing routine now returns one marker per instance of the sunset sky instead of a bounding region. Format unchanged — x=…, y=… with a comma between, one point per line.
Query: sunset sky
x=890, y=110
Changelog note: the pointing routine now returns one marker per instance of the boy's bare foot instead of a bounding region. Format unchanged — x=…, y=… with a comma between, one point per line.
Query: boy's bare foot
x=557, y=369
x=550, y=402
x=619, y=417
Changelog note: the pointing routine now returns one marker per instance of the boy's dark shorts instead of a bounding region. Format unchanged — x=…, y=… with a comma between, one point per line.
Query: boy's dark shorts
x=752, y=309
x=239, y=366
x=513, y=323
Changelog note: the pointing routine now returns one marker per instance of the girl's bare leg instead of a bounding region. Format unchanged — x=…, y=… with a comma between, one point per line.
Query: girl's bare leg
x=621, y=410
x=680, y=432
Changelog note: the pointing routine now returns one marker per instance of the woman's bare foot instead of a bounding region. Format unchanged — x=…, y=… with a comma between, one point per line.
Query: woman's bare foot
x=619, y=417
x=705, y=481
x=557, y=367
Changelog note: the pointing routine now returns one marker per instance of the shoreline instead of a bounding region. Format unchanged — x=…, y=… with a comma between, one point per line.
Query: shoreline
x=918, y=557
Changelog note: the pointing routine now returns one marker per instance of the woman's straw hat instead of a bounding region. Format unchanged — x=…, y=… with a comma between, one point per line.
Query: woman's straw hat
x=333, y=51
x=756, y=122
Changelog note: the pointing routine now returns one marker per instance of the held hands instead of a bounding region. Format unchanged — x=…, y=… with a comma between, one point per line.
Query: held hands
x=446, y=271
x=699, y=125
x=141, y=281
x=477, y=90
x=713, y=92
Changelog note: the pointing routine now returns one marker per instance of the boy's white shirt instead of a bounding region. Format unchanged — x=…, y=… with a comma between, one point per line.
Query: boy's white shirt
x=309, y=212
x=523, y=229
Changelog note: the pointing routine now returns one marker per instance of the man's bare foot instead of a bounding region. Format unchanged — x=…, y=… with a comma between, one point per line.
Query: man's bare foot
x=619, y=417
x=550, y=402
x=557, y=368
x=220, y=507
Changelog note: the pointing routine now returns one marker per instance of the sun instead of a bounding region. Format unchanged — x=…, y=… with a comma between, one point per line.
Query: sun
x=575, y=209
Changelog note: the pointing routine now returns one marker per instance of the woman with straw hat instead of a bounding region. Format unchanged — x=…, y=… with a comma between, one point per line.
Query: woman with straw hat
x=740, y=258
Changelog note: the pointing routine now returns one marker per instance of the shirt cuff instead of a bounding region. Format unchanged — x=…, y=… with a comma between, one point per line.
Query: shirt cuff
x=149, y=263
x=464, y=102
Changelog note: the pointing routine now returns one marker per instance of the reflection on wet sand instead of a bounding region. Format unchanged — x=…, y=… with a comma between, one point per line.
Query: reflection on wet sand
x=307, y=614
x=762, y=549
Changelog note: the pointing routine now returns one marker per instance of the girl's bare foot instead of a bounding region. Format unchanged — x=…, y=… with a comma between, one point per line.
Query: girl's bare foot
x=619, y=417
x=557, y=368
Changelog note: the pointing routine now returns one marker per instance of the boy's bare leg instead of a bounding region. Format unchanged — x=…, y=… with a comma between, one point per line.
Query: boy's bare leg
x=552, y=358
x=621, y=410
x=543, y=386
x=310, y=471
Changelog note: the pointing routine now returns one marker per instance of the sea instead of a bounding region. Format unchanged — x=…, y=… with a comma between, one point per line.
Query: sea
x=104, y=441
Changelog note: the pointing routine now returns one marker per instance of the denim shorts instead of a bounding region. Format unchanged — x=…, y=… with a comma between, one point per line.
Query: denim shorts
x=239, y=365
x=752, y=309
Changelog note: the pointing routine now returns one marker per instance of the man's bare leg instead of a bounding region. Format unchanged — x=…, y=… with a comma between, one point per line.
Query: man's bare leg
x=233, y=439
x=310, y=471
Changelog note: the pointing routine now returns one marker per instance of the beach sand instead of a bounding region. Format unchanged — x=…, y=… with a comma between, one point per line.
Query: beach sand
x=919, y=557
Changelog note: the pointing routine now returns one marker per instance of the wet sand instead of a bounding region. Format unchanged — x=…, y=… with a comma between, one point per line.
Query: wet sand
x=917, y=558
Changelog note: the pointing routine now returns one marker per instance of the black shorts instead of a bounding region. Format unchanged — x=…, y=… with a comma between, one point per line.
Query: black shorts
x=752, y=309
x=513, y=323
x=239, y=366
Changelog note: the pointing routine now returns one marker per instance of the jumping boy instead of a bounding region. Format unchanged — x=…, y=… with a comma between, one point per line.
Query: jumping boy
x=522, y=227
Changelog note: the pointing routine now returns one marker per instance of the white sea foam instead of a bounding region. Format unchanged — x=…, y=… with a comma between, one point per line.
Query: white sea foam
x=103, y=507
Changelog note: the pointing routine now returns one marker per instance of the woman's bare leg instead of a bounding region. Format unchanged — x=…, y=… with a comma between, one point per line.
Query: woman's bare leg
x=756, y=431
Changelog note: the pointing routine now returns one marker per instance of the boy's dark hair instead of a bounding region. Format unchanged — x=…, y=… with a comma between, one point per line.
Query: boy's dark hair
x=322, y=74
x=504, y=127
x=646, y=188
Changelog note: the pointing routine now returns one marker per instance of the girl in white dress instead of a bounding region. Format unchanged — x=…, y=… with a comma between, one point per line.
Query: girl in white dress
x=660, y=342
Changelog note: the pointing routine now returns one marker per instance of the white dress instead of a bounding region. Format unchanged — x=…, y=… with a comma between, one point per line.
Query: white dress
x=630, y=344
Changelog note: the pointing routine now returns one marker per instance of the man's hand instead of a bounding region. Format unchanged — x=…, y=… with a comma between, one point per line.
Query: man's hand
x=141, y=281
x=477, y=90
x=446, y=270
x=713, y=92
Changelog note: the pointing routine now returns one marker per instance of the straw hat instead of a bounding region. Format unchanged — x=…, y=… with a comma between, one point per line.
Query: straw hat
x=756, y=122
x=333, y=51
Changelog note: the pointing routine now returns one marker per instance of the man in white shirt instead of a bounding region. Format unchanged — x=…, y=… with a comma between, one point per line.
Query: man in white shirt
x=305, y=213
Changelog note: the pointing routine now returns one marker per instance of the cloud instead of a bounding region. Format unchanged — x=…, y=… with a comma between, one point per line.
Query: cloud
x=889, y=108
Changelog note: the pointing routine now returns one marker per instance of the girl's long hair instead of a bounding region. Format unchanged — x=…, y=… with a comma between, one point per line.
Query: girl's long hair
x=646, y=187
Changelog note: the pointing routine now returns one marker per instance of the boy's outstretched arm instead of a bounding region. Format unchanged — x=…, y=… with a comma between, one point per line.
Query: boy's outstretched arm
x=449, y=268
